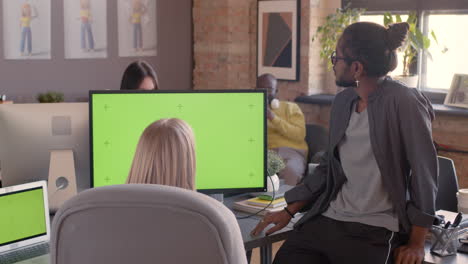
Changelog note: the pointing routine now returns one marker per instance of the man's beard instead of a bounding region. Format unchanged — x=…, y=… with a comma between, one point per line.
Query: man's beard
x=344, y=83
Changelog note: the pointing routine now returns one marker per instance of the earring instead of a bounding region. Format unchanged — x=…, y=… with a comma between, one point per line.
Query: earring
x=357, y=83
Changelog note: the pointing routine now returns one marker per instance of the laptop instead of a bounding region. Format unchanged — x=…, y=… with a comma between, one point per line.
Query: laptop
x=24, y=223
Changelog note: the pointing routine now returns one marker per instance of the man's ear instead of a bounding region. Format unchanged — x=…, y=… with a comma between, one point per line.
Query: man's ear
x=358, y=68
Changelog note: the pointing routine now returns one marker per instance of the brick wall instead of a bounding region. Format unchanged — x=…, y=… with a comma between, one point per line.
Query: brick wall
x=225, y=48
x=453, y=132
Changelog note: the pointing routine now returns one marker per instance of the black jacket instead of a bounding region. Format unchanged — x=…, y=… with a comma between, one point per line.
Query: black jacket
x=401, y=138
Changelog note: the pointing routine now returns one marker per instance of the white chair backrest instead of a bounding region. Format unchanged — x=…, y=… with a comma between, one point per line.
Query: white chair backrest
x=145, y=223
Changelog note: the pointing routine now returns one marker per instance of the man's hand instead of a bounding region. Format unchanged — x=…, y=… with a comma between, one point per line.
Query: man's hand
x=413, y=252
x=408, y=254
x=280, y=219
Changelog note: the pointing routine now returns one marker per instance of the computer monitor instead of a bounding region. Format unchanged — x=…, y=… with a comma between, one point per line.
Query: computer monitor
x=229, y=128
x=30, y=132
x=25, y=216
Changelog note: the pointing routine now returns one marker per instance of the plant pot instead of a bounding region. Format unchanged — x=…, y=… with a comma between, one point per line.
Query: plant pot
x=409, y=80
x=276, y=183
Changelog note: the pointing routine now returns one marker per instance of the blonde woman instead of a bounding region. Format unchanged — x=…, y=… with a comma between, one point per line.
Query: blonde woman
x=165, y=155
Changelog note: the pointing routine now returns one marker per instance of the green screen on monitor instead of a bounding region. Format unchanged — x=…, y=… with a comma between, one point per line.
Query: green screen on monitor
x=23, y=216
x=229, y=128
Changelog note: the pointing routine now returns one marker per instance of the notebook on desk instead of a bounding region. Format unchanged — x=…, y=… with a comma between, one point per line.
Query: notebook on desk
x=24, y=222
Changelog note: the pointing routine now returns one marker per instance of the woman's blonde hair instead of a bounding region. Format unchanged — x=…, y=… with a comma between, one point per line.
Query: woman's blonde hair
x=165, y=155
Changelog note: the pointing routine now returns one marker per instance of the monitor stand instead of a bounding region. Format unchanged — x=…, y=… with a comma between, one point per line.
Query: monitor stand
x=217, y=196
x=62, y=178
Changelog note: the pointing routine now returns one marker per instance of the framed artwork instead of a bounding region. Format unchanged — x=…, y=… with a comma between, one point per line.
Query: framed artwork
x=26, y=29
x=458, y=93
x=278, y=39
x=137, y=23
x=85, y=28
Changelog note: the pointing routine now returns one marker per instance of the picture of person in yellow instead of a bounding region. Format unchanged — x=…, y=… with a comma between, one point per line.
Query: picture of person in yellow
x=138, y=11
x=87, y=39
x=26, y=34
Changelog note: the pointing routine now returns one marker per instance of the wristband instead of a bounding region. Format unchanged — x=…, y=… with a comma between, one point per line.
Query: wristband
x=289, y=212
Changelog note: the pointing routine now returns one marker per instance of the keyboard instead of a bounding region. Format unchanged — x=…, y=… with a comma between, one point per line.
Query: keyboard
x=24, y=253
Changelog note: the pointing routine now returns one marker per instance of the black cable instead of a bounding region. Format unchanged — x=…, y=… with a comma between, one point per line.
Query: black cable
x=453, y=150
x=440, y=148
x=263, y=209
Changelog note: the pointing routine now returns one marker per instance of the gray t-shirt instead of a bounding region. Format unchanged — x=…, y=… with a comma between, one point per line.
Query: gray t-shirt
x=363, y=197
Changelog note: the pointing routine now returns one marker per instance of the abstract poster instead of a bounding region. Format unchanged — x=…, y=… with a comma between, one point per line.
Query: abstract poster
x=137, y=23
x=85, y=29
x=278, y=39
x=26, y=29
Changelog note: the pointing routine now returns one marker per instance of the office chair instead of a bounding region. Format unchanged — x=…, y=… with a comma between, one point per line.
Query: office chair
x=446, y=198
x=317, y=142
x=143, y=224
x=316, y=138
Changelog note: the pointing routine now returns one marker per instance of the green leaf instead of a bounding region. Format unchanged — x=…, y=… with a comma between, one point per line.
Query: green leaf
x=427, y=43
x=412, y=40
x=398, y=18
x=434, y=37
x=387, y=19
x=412, y=18
x=420, y=40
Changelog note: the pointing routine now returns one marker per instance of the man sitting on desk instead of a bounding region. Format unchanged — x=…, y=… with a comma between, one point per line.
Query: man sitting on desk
x=286, y=131
x=371, y=199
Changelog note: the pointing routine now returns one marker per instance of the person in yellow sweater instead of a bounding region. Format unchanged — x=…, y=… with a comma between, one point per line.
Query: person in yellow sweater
x=286, y=131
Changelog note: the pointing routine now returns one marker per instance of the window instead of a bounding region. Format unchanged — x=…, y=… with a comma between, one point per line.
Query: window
x=436, y=74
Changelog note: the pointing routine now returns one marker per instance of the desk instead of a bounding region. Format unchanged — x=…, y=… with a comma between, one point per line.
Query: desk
x=459, y=258
x=265, y=243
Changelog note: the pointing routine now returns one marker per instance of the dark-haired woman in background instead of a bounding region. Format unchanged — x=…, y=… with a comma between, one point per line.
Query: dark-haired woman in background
x=371, y=199
x=139, y=75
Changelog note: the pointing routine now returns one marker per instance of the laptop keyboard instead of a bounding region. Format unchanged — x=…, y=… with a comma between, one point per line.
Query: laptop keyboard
x=24, y=253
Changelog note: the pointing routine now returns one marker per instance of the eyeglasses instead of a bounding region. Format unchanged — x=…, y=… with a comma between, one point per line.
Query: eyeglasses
x=334, y=58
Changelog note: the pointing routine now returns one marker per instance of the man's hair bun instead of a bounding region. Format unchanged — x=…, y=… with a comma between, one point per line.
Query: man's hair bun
x=396, y=35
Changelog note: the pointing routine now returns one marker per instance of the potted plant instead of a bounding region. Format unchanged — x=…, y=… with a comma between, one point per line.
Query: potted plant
x=274, y=165
x=50, y=97
x=334, y=25
x=415, y=42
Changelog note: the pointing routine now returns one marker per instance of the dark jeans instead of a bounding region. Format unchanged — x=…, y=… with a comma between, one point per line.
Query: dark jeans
x=324, y=240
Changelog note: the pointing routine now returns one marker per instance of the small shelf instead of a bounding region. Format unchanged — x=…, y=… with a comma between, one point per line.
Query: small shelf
x=319, y=99
x=450, y=110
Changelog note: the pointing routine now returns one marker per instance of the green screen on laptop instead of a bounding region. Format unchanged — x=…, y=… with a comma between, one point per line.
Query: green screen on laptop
x=22, y=215
x=229, y=128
